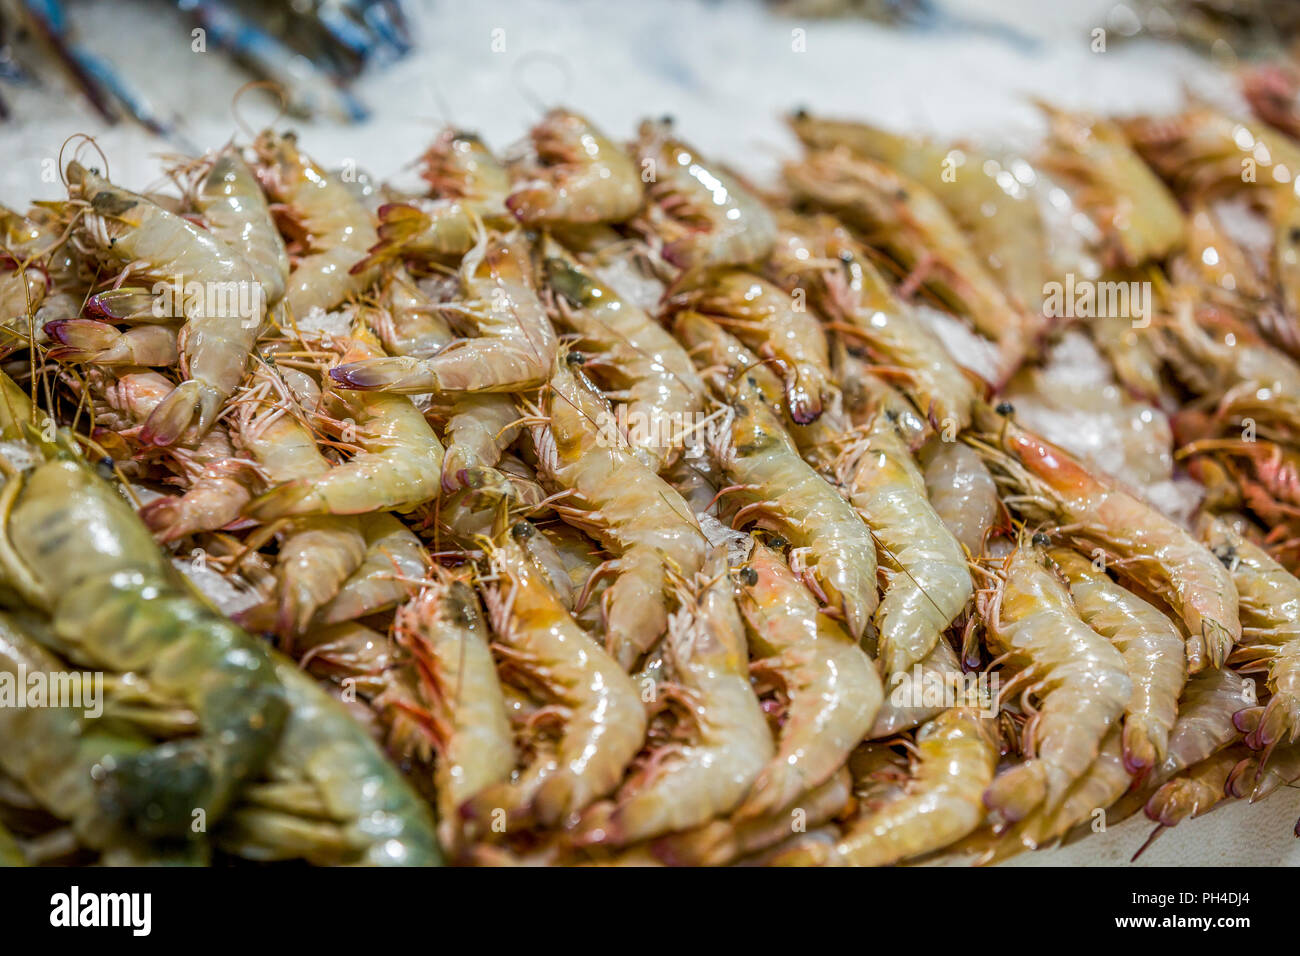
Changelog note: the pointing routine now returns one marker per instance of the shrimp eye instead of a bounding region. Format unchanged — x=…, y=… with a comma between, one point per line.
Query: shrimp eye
x=777, y=543
x=1295, y=235
x=521, y=531
x=1041, y=540
x=748, y=576
x=1006, y=408
x=801, y=113
x=846, y=257
x=105, y=467
x=576, y=358
x=666, y=119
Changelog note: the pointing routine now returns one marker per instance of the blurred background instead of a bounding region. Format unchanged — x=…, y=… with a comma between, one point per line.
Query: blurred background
x=366, y=84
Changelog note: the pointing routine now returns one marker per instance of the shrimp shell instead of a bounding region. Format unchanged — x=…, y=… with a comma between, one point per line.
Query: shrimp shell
x=962, y=492
x=579, y=176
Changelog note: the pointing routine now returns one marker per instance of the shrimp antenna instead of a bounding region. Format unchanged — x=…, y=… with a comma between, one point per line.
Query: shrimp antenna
x=84, y=138
x=441, y=103
x=540, y=56
x=269, y=85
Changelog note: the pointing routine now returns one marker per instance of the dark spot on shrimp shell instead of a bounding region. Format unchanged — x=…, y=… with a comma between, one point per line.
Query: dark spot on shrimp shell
x=1294, y=234
x=1006, y=408
x=1227, y=555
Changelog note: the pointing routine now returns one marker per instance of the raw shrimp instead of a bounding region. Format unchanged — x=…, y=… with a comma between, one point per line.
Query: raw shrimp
x=515, y=348
x=635, y=514
x=686, y=784
x=1270, y=617
x=832, y=687
x=328, y=794
x=234, y=208
x=218, y=333
x=853, y=295
x=1151, y=646
x=1196, y=791
x=336, y=222
x=479, y=429
x=917, y=695
x=398, y=465
x=962, y=492
x=74, y=549
x=577, y=175
x=769, y=321
x=705, y=217
x=916, y=231
x=926, y=581
x=941, y=804
x=409, y=323
x=651, y=374
x=444, y=631
x=98, y=343
x=1048, y=484
x=987, y=198
x=460, y=166
x=1076, y=675
x=783, y=491
x=604, y=720
x=394, y=557
x=720, y=842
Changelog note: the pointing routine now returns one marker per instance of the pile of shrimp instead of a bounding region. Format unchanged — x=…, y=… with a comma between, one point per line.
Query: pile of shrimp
x=590, y=505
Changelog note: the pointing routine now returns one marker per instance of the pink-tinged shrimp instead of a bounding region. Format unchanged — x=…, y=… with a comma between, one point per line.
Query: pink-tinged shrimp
x=234, y=209
x=1050, y=485
x=1196, y=791
x=515, y=348
x=909, y=224
x=337, y=223
x=963, y=493
x=398, y=465
x=832, y=689
x=634, y=513
x=940, y=802
x=129, y=230
x=834, y=269
x=703, y=214
x=577, y=175
x=724, y=841
x=649, y=372
x=407, y=321
x=98, y=343
x=927, y=583
x=687, y=784
x=1205, y=719
x=769, y=321
x=1151, y=645
x=1270, y=617
x=479, y=430
x=604, y=722
x=1138, y=218
x=1077, y=677
x=784, y=492
x=443, y=630
x=987, y=198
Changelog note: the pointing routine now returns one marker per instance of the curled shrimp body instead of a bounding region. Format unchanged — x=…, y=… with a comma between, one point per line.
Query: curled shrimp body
x=687, y=784
x=445, y=633
x=766, y=319
x=927, y=582
x=782, y=490
x=75, y=550
x=907, y=703
x=1049, y=484
x=963, y=493
x=409, y=323
x=852, y=293
x=393, y=557
x=235, y=210
x=328, y=794
x=1196, y=791
x=986, y=198
x=604, y=720
x=832, y=686
x=1077, y=676
x=1205, y=725
x=515, y=348
x=634, y=513
x=649, y=371
x=911, y=226
x=479, y=430
x=1270, y=617
x=216, y=339
x=578, y=176
x=1151, y=646
x=398, y=466
x=337, y=223
x=940, y=803
x=705, y=217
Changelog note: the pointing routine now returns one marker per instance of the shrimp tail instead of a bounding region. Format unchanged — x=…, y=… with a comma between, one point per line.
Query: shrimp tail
x=126, y=304
x=1140, y=752
x=279, y=501
x=81, y=340
x=1279, y=723
x=1013, y=794
x=383, y=373
x=178, y=411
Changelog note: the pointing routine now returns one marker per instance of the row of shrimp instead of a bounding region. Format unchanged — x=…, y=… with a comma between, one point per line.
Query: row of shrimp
x=584, y=504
